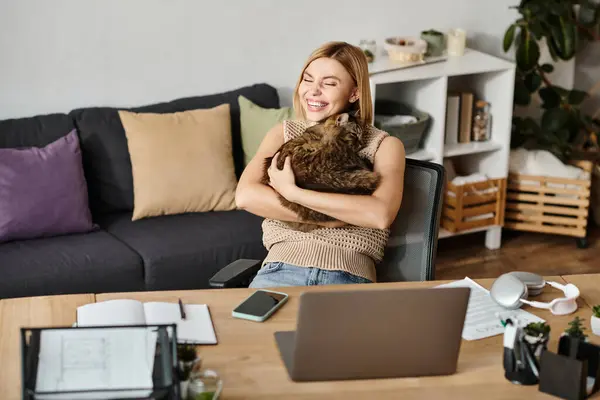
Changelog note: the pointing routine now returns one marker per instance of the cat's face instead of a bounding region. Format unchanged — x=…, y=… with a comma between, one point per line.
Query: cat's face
x=341, y=127
x=326, y=89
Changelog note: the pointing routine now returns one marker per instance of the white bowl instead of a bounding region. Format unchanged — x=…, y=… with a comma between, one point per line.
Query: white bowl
x=405, y=48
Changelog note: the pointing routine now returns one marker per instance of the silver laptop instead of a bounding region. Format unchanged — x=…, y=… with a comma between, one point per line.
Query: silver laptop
x=375, y=333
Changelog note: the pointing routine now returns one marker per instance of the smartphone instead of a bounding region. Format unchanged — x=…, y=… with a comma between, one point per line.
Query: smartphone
x=260, y=305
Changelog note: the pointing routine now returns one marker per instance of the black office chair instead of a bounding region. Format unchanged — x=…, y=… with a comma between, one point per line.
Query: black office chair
x=412, y=246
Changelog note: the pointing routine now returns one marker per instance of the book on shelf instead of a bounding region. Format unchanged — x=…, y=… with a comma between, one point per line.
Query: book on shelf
x=452, y=118
x=466, y=117
x=459, y=117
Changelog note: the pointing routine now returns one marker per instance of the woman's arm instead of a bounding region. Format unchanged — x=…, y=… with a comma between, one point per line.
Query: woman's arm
x=259, y=199
x=370, y=211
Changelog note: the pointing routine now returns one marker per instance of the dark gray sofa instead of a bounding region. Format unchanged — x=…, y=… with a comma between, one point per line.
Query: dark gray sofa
x=159, y=253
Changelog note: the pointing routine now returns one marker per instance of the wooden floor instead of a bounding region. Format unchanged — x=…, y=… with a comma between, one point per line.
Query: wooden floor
x=544, y=254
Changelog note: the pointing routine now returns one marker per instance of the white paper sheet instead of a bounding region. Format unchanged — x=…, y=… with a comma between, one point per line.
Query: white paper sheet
x=483, y=313
x=100, y=359
x=196, y=328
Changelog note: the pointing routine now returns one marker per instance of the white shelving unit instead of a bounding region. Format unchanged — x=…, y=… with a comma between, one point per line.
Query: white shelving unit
x=425, y=87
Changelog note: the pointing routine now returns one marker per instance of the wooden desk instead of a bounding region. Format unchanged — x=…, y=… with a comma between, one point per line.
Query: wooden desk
x=29, y=312
x=589, y=285
x=248, y=360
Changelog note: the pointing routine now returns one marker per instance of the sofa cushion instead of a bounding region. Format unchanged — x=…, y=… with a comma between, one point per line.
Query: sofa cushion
x=255, y=122
x=104, y=145
x=181, y=162
x=37, y=131
x=184, y=251
x=43, y=191
x=82, y=263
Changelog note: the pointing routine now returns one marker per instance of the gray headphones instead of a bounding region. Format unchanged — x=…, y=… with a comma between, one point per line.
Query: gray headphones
x=510, y=288
x=511, y=291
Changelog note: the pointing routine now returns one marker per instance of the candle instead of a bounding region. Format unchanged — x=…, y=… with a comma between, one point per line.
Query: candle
x=456, y=42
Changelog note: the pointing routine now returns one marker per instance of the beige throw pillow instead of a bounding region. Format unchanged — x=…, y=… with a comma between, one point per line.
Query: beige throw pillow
x=181, y=162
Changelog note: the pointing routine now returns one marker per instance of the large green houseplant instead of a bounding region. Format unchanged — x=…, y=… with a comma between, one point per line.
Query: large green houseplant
x=566, y=26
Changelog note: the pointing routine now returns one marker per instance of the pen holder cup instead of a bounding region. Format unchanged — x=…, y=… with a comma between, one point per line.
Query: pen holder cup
x=522, y=358
x=573, y=372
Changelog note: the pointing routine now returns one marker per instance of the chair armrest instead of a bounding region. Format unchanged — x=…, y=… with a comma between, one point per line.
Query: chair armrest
x=235, y=274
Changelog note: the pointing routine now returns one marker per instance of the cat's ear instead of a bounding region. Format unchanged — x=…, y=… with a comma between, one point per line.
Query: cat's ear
x=342, y=119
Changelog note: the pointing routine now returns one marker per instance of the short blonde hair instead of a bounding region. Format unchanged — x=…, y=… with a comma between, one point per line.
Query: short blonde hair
x=355, y=62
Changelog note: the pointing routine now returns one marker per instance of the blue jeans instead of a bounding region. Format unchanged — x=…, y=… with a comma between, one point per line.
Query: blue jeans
x=275, y=274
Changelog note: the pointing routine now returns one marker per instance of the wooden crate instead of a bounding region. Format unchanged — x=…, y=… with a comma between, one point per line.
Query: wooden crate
x=548, y=205
x=473, y=205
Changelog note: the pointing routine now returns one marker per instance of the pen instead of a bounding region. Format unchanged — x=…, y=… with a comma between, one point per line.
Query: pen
x=181, y=309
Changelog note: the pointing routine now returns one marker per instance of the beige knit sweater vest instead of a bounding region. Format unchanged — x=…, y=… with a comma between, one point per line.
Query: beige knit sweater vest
x=351, y=248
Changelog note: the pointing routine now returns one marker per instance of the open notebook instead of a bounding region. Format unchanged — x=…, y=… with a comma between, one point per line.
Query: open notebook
x=197, y=328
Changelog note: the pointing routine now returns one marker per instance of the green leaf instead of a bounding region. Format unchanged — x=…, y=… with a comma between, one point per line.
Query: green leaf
x=522, y=97
x=548, y=68
x=562, y=37
x=533, y=81
x=537, y=30
x=554, y=119
x=555, y=8
x=550, y=97
x=509, y=37
x=552, y=49
x=576, y=97
x=531, y=125
x=528, y=52
x=563, y=136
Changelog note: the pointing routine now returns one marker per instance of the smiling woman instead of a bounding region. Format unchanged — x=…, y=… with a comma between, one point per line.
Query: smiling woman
x=333, y=80
x=329, y=85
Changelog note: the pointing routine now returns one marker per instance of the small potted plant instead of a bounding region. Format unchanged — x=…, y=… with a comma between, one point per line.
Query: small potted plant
x=188, y=363
x=436, y=42
x=571, y=337
x=595, y=320
x=536, y=336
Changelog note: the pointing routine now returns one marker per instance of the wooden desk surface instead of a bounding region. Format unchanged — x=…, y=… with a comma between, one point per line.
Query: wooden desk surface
x=249, y=362
x=589, y=285
x=29, y=312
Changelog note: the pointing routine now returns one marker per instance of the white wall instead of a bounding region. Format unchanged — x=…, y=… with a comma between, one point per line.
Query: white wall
x=61, y=54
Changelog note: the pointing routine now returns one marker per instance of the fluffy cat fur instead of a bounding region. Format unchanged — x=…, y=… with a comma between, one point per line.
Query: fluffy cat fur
x=325, y=158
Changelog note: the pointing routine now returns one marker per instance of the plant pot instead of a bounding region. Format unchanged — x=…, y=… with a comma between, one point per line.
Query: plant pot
x=436, y=43
x=595, y=323
x=537, y=344
x=186, y=371
x=183, y=389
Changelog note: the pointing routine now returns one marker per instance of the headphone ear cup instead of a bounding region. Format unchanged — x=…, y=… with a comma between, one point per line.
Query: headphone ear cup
x=526, y=292
x=535, y=283
x=508, y=291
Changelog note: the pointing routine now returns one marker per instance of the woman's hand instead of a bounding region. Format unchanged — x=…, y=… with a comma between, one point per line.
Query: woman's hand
x=282, y=180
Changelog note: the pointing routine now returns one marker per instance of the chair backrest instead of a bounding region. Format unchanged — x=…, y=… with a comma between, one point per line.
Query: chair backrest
x=411, y=249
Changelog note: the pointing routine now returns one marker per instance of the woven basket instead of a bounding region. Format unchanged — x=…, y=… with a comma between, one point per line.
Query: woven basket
x=412, y=134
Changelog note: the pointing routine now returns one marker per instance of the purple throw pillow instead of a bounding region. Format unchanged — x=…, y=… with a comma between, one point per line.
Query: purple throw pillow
x=43, y=191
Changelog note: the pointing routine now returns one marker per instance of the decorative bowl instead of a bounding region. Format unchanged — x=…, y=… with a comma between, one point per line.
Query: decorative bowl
x=405, y=49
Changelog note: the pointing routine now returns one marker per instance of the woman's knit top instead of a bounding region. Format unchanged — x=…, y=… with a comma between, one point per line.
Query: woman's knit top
x=350, y=248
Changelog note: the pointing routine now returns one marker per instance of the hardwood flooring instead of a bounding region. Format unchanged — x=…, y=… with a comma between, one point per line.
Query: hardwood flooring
x=544, y=254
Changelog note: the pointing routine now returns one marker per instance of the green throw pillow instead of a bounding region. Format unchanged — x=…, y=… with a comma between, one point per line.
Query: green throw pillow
x=255, y=122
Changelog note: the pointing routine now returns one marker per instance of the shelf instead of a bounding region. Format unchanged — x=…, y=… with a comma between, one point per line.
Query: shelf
x=472, y=62
x=443, y=233
x=452, y=150
x=422, y=155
